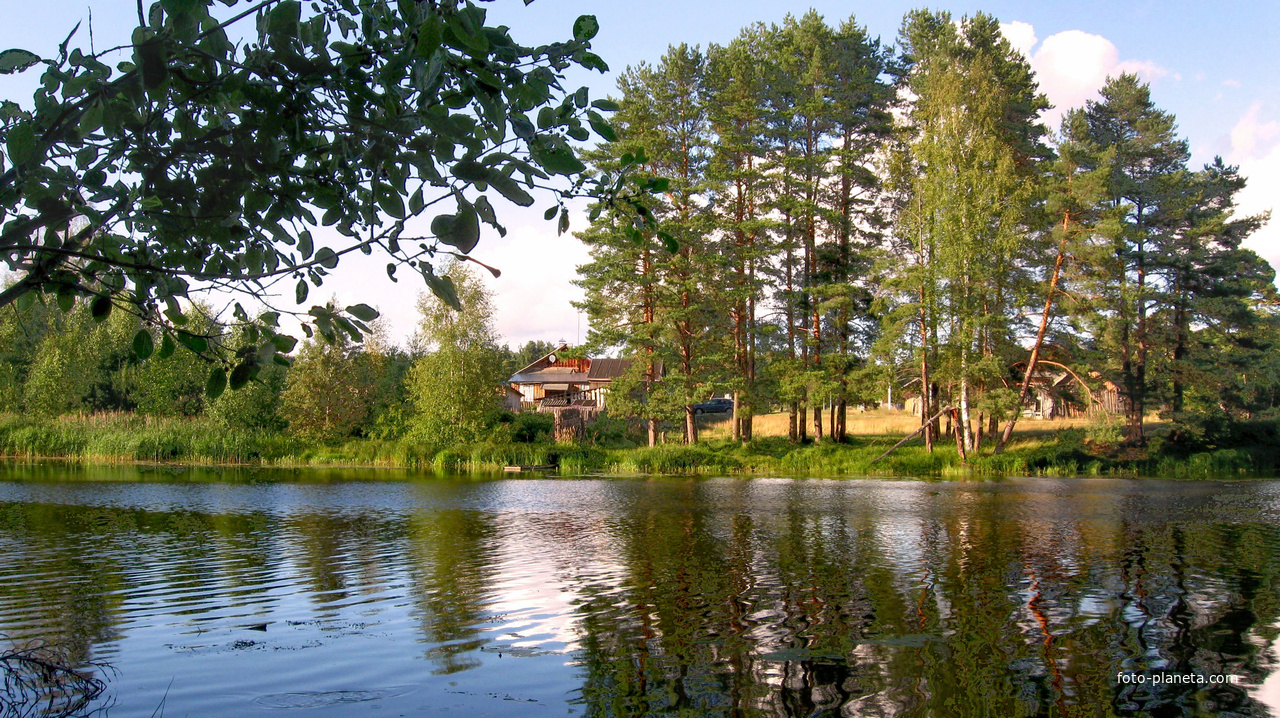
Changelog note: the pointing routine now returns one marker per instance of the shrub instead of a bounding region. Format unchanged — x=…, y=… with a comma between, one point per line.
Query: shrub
x=530, y=427
x=1105, y=430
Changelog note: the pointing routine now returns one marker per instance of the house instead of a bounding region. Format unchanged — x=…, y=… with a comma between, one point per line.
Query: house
x=557, y=380
x=1056, y=393
x=511, y=397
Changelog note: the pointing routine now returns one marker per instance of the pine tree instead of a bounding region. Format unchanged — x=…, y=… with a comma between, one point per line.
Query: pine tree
x=652, y=292
x=1149, y=162
x=1075, y=181
x=737, y=81
x=861, y=126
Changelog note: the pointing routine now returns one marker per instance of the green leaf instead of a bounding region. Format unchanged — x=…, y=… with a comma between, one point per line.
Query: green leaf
x=461, y=230
x=300, y=292
x=550, y=213
x=466, y=228
x=509, y=188
x=101, y=309
x=557, y=158
x=166, y=347
x=143, y=344
x=429, y=35
x=546, y=118
x=284, y=343
x=389, y=201
x=471, y=171
x=194, y=342
x=66, y=299
x=16, y=60
x=241, y=375
x=284, y=18
x=21, y=143
x=592, y=61
x=91, y=120
x=180, y=7
x=470, y=38
x=363, y=312
x=585, y=28
x=327, y=258
x=443, y=288
x=217, y=383
x=602, y=127
x=522, y=127
x=305, y=247
x=605, y=105
x=152, y=59
x=670, y=242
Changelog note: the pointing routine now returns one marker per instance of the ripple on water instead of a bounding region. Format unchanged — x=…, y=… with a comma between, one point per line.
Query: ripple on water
x=311, y=700
x=779, y=598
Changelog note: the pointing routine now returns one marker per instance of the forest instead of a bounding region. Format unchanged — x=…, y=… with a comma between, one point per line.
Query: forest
x=813, y=219
x=837, y=216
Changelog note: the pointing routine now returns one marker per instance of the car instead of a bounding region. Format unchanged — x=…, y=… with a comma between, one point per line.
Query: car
x=722, y=405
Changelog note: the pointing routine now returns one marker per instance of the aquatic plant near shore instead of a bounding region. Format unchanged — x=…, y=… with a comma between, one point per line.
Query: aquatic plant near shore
x=127, y=438
x=40, y=679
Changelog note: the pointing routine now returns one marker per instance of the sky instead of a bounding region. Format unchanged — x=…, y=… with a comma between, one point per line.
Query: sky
x=1215, y=66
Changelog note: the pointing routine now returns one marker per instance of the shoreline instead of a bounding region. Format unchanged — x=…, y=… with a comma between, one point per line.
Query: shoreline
x=130, y=439
x=1057, y=456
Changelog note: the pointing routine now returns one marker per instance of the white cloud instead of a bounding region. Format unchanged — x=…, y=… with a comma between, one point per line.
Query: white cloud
x=1071, y=66
x=1255, y=146
x=532, y=297
x=1231, y=83
x=1019, y=34
x=1251, y=137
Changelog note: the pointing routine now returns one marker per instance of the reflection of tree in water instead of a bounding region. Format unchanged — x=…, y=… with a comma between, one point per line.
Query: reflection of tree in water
x=74, y=581
x=341, y=553
x=695, y=601
x=996, y=611
x=81, y=563
x=451, y=561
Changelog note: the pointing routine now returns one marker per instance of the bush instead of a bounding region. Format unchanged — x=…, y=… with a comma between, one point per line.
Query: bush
x=1105, y=430
x=530, y=427
x=608, y=431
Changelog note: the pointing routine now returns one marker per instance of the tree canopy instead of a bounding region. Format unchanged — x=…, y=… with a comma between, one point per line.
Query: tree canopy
x=208, y=159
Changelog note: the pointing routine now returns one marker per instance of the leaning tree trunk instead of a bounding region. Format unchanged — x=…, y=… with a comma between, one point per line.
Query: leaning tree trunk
x=1025, y=392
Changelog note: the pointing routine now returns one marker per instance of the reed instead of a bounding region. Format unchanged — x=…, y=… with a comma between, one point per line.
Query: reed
x=1064, y=451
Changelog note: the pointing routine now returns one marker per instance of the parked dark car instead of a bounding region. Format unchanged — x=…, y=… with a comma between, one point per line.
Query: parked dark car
x=714, y=406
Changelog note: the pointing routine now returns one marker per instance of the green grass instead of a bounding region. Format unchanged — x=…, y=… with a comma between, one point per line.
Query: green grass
x=125, y=438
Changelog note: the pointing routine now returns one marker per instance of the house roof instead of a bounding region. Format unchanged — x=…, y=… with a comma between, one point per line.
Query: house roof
x=607, y=369
x=559, y=375
x=541, y=359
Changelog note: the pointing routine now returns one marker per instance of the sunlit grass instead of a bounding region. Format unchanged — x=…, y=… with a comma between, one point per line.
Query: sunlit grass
x=1040, y=448
x=871, y=422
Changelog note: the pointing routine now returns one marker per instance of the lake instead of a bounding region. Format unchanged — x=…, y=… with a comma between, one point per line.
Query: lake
x=248, y=593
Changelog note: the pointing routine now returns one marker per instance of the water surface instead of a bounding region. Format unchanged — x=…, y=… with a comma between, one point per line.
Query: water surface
x=252, y=593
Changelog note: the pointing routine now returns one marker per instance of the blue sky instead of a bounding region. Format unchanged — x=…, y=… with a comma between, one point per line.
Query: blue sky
x=1215, y=66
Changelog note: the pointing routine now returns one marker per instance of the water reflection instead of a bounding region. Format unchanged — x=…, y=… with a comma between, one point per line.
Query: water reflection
x=662, y=597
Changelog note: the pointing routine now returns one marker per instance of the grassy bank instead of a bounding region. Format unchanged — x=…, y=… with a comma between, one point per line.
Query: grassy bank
x=124, y=438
